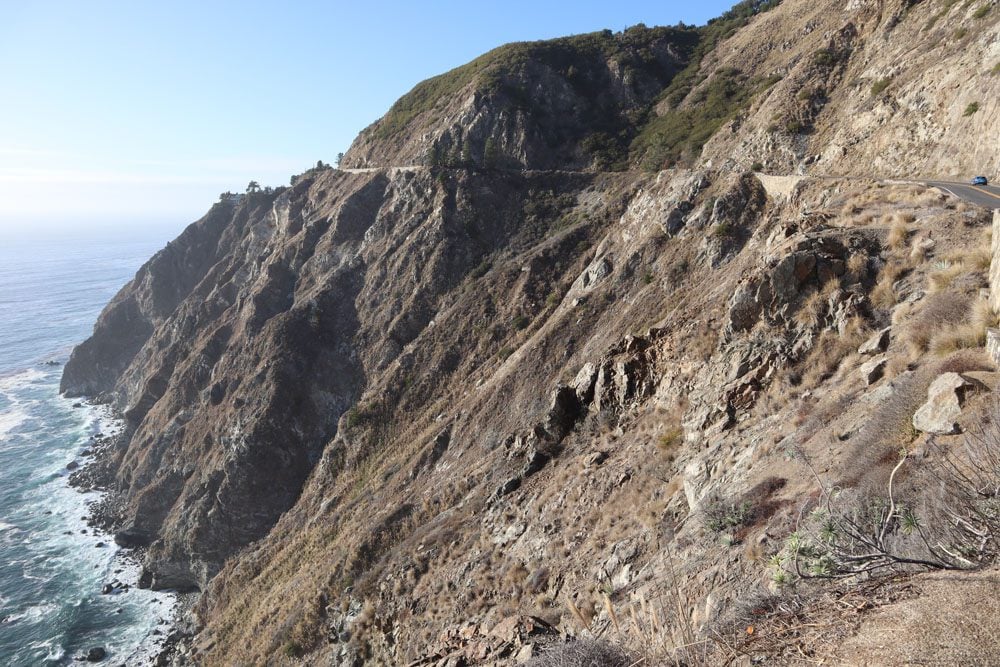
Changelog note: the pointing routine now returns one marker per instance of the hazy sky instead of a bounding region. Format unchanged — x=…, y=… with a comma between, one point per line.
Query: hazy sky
x=142, y=112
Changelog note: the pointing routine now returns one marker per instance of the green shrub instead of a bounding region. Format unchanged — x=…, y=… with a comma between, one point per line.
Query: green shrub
x=757, y=166
x=982, y=11
x=721, y=515
x=794, y=126
x=971, y=109
x=879, y=86
x=357, y=416
x=824, y=58
x=681, y=133
x=724, y=230
x=520, y=322
x=996, y=69
x=504, y=352
x=960, y=33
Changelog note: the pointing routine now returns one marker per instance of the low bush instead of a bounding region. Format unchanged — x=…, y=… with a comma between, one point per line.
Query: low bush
x=972, y=108
x=584, y=653
x=879, y=86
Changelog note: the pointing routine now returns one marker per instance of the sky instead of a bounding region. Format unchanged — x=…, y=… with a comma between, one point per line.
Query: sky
x=140, y=113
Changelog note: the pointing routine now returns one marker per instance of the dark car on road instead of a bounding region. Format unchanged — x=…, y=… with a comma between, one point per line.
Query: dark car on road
x=980, y=180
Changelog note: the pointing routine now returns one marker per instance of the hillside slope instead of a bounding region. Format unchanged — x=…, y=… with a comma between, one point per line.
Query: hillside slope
x=471, y=402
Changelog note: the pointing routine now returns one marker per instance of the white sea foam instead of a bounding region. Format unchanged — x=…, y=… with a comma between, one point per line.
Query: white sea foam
x=11, y=419
x=20, y=380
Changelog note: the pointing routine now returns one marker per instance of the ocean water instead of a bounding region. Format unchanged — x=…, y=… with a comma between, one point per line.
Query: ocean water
x=51, y=567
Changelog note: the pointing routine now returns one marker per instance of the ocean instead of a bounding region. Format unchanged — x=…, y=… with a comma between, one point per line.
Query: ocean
x=52, y=566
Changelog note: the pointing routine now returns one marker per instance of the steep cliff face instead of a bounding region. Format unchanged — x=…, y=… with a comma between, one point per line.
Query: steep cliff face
x=391, y=412
x=562, y=104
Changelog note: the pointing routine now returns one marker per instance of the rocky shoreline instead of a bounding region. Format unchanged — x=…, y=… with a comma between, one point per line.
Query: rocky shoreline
x=106, y=515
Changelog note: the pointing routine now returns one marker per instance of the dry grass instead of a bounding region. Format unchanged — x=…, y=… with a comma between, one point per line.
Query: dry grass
x=969, y=333
x=884, y=294
x=829, y=351
x=814, y=307
x=584, y=653
x=899, y=232
x=941, y=311
x=858, y=267
x=920, y=246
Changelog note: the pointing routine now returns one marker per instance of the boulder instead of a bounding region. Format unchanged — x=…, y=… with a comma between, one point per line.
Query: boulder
x=132, y=538
x=877, y=343
x=873, y=370
x=72, y=465
x=96, y=654
x=945, y=398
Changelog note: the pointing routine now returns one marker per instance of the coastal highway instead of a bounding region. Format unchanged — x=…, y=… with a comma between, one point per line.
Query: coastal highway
x=986, y=196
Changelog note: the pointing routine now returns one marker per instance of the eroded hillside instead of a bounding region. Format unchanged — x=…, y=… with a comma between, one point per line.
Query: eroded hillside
x=483, y=393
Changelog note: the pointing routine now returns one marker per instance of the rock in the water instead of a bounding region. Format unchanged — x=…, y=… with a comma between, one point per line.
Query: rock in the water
x=945, y=398
x=72, y=465
x=872, y=371
x=96, y=654
x=877, y=343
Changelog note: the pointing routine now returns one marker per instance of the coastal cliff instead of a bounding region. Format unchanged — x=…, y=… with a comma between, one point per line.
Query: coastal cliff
x=575, y=328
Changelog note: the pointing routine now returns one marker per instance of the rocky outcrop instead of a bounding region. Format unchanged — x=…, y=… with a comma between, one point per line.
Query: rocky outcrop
x=560, y=104
x=945, y=398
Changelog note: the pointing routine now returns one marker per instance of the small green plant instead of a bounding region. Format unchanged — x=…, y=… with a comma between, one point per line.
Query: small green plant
x=670, y=438
x=880, y=86
x=960, y=33
x=971, y=109
x=520, y=322
x=721, y=515
x=794, y=127
x=292, y=650
x=824, y=58
x=356, y=417
x=996, y=69
x=481, y=269
x=723, y=230
x=757, y=166
x=552, y=300
x=982, y=11
x=504, y=352
x=647, y=277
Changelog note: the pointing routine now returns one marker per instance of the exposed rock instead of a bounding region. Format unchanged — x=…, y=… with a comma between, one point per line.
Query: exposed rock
x=96, y=654
x=945, y=398
x=873, y=369
x=877, y=344
x=132, y=538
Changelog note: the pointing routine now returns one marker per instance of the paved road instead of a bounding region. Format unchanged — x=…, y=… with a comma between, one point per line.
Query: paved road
x=988, y=196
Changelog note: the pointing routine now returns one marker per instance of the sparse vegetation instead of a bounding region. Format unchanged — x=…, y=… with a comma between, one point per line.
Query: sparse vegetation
x=972, y=108
x=583, y=652
x=982, y=11
x=880, y=85
x=679, y=134
x=721, y=515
